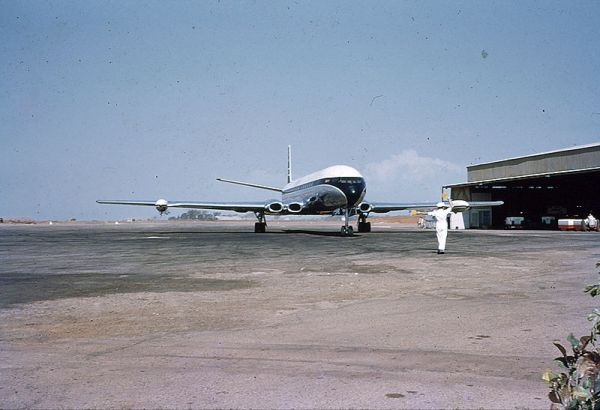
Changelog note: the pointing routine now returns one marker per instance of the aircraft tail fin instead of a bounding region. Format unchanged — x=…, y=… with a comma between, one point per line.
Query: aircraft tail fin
x=289, y=176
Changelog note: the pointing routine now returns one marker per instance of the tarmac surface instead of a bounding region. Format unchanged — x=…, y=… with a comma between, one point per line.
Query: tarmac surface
x=212, y=315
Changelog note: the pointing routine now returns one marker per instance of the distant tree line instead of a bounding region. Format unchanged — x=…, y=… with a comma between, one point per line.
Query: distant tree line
x=196, y=215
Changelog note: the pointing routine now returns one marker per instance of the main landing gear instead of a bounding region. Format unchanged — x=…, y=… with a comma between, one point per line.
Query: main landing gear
x=363, y=225
x=261, y=225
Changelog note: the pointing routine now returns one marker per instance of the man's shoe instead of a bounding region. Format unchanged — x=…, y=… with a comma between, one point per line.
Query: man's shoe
x=440, y=252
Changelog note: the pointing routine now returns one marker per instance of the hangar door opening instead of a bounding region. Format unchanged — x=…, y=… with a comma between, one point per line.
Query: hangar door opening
x=539, y=201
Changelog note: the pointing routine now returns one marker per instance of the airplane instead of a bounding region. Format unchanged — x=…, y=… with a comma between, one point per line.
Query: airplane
x=336, y=190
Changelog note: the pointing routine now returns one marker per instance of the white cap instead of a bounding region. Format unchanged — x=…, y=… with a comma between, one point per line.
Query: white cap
x=442, y=205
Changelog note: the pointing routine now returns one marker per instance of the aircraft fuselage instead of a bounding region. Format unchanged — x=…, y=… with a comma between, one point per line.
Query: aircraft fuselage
x=324, y=191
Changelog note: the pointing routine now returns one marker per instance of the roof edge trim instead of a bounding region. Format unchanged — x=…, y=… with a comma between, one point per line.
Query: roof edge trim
x=530, y=176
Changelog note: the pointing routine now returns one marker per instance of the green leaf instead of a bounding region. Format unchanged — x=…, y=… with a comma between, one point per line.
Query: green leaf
x=549, y=376
x=584, y=340
x=587, y=383
x=561, y=348
x=596, y=385
x=593, y=290
x=553, y=396
x=573, y=340
x=562, y=362
x=581, y=393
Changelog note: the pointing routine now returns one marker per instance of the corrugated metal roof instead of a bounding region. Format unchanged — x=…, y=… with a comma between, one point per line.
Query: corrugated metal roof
x=522, y=177
x=575, y=148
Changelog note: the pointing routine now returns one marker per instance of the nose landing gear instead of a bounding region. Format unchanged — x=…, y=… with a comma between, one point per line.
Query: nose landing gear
x=363, y=225
x=347, y=229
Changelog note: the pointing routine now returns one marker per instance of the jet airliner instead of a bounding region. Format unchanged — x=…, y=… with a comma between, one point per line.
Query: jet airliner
x=336, y=190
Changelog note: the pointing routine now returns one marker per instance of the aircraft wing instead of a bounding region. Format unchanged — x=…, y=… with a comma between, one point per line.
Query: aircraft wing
x=423, y=206
x=480, y=204
x=388, y=207
x=222, y=206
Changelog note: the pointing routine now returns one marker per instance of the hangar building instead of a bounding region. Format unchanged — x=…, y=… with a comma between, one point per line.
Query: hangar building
x=541, y=188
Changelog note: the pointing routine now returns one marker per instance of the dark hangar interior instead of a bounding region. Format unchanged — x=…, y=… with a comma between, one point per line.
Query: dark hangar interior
x=540, y=188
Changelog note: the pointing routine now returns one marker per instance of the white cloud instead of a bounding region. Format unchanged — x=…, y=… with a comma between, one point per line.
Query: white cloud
x=407, y=176
x=408, y=165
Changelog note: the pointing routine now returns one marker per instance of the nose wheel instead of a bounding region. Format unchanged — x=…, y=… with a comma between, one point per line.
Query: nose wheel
x=347, y=229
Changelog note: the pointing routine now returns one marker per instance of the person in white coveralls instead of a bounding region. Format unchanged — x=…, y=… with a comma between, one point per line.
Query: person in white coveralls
x=441, y=223
x=591, y=222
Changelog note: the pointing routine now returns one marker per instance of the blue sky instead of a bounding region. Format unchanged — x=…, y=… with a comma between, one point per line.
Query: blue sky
x=141, y=100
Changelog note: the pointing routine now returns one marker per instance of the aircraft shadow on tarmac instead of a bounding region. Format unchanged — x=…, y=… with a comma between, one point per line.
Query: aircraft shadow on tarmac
x=318, y=233
x=161, y=234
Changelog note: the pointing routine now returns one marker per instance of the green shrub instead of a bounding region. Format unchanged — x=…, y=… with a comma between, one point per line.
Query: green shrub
x=578, y=385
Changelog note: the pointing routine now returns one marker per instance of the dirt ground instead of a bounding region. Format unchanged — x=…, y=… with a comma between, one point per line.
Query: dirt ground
x=211, y=315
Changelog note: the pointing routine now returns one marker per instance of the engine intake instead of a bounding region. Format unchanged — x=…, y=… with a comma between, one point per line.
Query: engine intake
x=162, y=205
x=458, y=205
x=274, y=207
x=365, y=207
x=295, y=207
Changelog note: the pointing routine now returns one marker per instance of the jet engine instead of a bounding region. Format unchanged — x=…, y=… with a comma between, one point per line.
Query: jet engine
x=365, y=207
x=274, y=207
x=294, y=207
x=162, y=205
x=458, y=205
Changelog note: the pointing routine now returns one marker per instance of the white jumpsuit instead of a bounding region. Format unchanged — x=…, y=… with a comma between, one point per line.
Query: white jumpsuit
x=441, y=225
x=591, y=222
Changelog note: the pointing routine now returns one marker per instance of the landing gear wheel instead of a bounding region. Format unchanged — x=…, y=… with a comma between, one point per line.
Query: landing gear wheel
x=260, y=227
x=347, y=231
x=364, y=226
